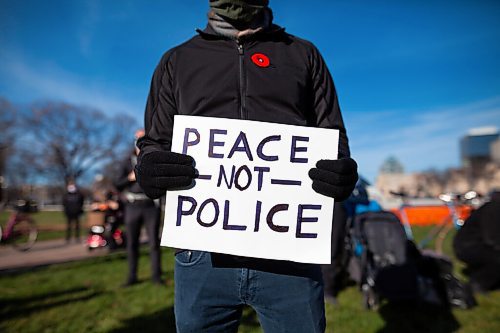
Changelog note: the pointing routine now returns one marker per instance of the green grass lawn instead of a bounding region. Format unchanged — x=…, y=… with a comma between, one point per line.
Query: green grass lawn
x=86, y=296
x=44, y=219
x=51, y=224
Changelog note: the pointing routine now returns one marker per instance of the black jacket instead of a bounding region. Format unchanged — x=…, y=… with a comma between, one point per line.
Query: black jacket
x=481, y=229
x=121, y=182
x=73, y=204
x=210, y=75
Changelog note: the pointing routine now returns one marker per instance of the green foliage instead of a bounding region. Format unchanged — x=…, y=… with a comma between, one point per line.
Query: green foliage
x=51, y=224
x=44, y=219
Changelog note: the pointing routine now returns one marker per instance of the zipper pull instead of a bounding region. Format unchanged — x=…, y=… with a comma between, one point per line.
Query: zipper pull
x=240, y=49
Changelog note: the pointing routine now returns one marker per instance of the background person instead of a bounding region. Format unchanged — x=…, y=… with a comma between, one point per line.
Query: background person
x=73, y=207
x=334, y=273
x=242, y=66
x=477, y=243
x=138, y=210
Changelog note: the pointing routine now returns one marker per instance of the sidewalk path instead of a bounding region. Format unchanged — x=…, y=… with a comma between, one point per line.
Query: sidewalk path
x=45, y=253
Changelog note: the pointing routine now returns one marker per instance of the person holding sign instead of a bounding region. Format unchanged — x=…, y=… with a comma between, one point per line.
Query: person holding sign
x=242, y=66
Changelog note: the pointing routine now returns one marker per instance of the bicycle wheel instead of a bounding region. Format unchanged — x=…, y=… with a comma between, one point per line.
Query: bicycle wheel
x=441, y=238
x=24, y=234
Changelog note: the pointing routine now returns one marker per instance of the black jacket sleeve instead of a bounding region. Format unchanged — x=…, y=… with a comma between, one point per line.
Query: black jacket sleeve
x=160, y=109
x=325, y=102
x=121, y=182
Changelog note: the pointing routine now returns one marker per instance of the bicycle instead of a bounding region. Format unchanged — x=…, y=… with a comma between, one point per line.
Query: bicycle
x=458, y=210
x=20, y=231
x=455, y=219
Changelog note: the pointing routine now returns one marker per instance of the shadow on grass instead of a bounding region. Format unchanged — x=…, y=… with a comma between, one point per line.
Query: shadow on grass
x=160, y=321
x=163, y=321
x=415, y=319
x=23, y=306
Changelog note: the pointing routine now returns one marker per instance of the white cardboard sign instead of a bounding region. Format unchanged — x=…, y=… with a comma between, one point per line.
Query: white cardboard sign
x=253, y=197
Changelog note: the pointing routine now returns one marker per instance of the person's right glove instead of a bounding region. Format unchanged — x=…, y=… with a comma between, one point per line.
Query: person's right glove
x=159, y=171
x=335, y=178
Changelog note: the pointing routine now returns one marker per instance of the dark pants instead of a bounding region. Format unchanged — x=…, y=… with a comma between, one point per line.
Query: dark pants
x=210, y=293
x=332, y=273
x=72, y=221
x=135, y=215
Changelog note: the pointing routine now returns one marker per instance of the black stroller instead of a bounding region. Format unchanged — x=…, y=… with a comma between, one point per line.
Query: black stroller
x=387, y=265
x=380, y=260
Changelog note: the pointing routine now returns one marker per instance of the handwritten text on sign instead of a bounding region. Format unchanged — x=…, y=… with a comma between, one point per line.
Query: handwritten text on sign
x=253, y=196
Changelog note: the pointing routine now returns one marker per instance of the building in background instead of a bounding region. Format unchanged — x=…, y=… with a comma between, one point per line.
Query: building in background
x=495, y=151
x=475, y=147
x=480, y=170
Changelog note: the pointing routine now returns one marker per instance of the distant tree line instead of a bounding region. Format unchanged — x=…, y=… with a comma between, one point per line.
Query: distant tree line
x=50, y=142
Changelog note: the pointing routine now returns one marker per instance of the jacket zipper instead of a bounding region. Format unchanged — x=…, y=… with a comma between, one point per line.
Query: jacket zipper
x=242, y=81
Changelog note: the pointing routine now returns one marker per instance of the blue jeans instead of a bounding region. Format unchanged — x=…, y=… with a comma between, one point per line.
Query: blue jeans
x=211, y=290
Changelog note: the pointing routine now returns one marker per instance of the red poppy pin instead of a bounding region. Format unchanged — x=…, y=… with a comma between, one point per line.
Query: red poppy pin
x=261, y=60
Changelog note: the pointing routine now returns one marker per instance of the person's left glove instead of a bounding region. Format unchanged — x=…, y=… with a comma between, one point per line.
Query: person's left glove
x=335, y=178
x=159, y=171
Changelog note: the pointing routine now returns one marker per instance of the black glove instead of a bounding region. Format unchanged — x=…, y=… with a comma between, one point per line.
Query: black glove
x=335, y=178
x=159, y=171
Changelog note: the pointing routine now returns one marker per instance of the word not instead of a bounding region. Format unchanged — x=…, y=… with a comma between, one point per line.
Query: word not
x=235, y=176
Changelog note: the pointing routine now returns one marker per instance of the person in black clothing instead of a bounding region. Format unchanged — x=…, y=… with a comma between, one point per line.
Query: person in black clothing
x=242, y=66
x=73, y=208
x=477, y=244
x=332, y=273
x=139, y=210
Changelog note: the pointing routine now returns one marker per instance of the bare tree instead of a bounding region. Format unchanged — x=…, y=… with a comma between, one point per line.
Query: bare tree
x=68, y=141
x=8, y=115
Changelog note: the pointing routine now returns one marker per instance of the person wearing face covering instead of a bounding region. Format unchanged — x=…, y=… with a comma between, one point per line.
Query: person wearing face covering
x=242, y=66
x=73, y=208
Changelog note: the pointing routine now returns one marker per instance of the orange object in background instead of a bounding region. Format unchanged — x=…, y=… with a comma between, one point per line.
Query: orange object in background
x=430, y=215
x=95, y=218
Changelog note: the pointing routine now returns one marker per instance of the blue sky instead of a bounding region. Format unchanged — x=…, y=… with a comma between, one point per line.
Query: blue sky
x=412, y=76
